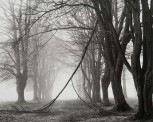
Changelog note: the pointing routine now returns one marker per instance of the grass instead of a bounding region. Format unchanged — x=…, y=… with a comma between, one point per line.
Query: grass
x=62, y=111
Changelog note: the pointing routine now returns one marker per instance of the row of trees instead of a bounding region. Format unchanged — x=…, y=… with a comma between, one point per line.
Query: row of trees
x=103, y=62
x=119, y=22
x=23, y=50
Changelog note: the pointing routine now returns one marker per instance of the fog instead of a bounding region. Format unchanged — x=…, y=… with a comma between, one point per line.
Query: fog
x=8, y=89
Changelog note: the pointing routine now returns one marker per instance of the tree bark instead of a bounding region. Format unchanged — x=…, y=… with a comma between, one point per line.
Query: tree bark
x=96, y=91
x=96, y=75
x=120, y=103
x=143, y=77
x=105, y=82
x=21, y=84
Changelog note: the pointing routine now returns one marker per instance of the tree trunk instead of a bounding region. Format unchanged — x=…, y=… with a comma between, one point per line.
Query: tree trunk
x=124, y=83
x=97, y=74
x=148, y=88
x=120, y=103
x=89, y=89
x=143, y=77
x=39, y=89
x=148, y=49
x=105, y=84
x=21, y=84
x=44, y=90
x=35, y=76
x=35, y=90
x=96, y=85
x=96, y=91
x=139, y=84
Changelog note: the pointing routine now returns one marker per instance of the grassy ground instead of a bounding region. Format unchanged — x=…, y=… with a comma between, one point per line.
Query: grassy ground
x=62, y=111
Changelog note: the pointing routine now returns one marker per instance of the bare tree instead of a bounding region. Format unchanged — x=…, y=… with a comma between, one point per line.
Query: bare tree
x=19, y=22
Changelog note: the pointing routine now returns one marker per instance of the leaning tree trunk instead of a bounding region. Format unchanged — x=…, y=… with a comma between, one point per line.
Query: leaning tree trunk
x=120, y=102
x=21, y=84
x=116, y=67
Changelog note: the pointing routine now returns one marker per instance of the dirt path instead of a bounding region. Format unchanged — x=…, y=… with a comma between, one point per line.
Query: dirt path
x=63, y=111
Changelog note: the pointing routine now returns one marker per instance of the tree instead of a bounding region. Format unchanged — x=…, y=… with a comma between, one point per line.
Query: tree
x=142, y=75
x=17, y=45
x=91, y=66
x=114, y=57
x=109, y=35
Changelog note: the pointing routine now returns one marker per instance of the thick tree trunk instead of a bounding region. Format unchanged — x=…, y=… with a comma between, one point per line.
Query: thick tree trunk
x=86, y=81
x=144, y=88
x=140, y=112
x=21, y=84
x=105, y=18
x=148, y=97
x=105, y=82
x=96, y=89
x=143, y=77
x=148, y=49
x=120, y=102
x=97, y=74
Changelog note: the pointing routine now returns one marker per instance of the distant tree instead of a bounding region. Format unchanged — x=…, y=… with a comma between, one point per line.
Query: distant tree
x=16, y=47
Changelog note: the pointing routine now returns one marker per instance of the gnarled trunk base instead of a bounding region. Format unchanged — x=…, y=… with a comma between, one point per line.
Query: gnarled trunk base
x=122, y=107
